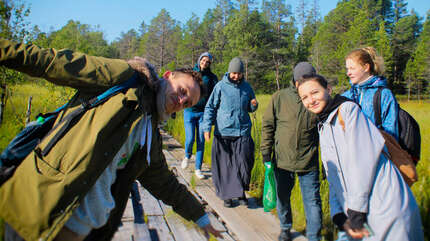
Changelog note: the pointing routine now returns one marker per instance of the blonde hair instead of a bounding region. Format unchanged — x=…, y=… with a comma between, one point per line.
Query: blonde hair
x=368, y=55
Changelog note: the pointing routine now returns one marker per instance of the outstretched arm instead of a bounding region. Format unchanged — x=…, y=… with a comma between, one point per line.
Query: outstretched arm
x=64, y=67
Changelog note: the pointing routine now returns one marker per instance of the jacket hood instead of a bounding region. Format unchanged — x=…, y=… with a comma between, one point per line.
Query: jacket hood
x=146, y=72
x=373, y=82
x=197, y=68
x=227, y=79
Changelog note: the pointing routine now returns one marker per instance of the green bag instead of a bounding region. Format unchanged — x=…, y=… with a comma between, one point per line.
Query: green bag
x=269, y=193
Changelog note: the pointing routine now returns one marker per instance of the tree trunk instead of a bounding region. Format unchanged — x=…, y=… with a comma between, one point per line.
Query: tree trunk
x=2, y=101
x=28, y=113
x=409, y=89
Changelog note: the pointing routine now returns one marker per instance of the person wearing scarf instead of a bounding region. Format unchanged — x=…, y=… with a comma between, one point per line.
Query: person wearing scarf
x=369, y=199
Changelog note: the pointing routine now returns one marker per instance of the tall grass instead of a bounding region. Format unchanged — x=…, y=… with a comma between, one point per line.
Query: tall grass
x=46, y=97
x=421, y=189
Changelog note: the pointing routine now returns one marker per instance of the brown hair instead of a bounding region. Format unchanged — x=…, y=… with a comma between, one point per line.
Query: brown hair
x=368, y=55
x=318, y=78
x=197, y=77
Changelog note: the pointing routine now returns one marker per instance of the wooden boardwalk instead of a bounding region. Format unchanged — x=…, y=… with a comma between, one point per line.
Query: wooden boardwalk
x=161, y=223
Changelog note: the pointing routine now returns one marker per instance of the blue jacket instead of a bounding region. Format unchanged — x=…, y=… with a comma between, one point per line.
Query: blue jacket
x=228, y=108
x=209, y=82
x=363, y=95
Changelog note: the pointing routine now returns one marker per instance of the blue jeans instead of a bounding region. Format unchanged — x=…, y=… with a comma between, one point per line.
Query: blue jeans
x=192, y=124
x=310, y=188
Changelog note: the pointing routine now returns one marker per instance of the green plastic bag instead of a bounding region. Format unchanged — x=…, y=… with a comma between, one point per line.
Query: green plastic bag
x=269, y=193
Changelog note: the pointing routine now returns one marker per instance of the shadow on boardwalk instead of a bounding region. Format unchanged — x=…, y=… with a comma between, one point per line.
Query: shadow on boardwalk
x=161, y=223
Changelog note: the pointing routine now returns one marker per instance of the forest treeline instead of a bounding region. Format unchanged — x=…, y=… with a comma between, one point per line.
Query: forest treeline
x=268, y=35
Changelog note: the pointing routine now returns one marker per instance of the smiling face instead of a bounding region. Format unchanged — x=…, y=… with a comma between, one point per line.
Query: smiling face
x=314, y=96
x=235, y=76
x=356, y=72
x=182, y=91
x=205, y=62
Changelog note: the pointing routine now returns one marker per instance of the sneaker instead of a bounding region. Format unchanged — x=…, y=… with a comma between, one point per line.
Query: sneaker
x=199, y=174
x=228, y=203
x=285, y=235
x=184, y=163
x=243, y=201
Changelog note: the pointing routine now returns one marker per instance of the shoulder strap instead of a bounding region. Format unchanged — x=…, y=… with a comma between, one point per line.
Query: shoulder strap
x=341, y=121
x=71, y=119
x=377, y=107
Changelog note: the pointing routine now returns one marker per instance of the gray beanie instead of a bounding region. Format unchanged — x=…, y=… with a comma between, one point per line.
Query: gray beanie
x=303, y=68
x=235, y=66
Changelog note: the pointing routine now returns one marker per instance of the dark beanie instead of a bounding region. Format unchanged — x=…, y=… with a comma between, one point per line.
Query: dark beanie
x=236, y=66
x=301, y=69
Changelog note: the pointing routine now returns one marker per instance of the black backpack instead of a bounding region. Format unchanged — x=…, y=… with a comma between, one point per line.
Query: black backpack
x=26, y=140
x=409, y=130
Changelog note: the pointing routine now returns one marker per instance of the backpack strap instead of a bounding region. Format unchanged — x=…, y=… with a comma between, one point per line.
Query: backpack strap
x=377, y=107
x=341, y=121
x=72, y=118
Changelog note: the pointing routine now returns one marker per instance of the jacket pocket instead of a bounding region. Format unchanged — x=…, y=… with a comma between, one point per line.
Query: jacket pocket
x=43, y=167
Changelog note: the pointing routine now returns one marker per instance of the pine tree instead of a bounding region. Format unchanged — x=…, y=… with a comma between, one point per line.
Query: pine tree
x=161, y=40
x=404, y=41
x=417, y=72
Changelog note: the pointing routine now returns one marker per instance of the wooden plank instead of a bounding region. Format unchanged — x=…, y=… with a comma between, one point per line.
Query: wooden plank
x=158, y=229
x=128, y=213
x=150, y=204
x=124, y=232
x=180, y=228
x=141, y=232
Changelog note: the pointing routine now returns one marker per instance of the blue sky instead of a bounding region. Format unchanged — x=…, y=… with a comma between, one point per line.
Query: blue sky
x=116, y=16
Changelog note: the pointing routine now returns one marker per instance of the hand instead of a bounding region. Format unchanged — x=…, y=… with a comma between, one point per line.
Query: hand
x=209, y=229
x=207, y=136
x=254, y=102
x=355, y=233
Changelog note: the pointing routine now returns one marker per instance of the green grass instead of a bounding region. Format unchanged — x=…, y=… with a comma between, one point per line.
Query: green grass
x=421, y=189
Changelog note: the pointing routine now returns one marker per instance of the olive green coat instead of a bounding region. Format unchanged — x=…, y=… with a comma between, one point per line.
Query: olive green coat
x=44, y=191
x=290, y=131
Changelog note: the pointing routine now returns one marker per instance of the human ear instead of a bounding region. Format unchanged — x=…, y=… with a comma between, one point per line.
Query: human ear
x=329, y=89
x=366, y=67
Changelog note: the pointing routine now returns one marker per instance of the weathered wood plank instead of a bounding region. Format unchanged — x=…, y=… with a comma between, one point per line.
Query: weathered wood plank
x=141, y=232
x=150, y=204
x=181, y=229
x=158, y=229
x=240, y=226
x=128, y=213
x=124, y=232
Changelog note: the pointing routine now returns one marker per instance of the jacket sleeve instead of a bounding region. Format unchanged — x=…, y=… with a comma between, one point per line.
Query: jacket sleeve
x=363, y=146
x=64, y=67
x=268, y=128
x=163, y=185
x=211, y=109
x=251, y=107
x=389, y=113
x=335, y=206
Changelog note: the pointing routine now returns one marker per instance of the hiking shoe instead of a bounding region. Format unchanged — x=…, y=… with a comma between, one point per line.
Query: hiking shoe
x=243, y=201
x=184, y=163
x=199, y=174
x=285, y=235
x=228, y=203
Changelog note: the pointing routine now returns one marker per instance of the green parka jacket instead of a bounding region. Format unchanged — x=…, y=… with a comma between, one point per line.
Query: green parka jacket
x=44, y=190
x=290, y=131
